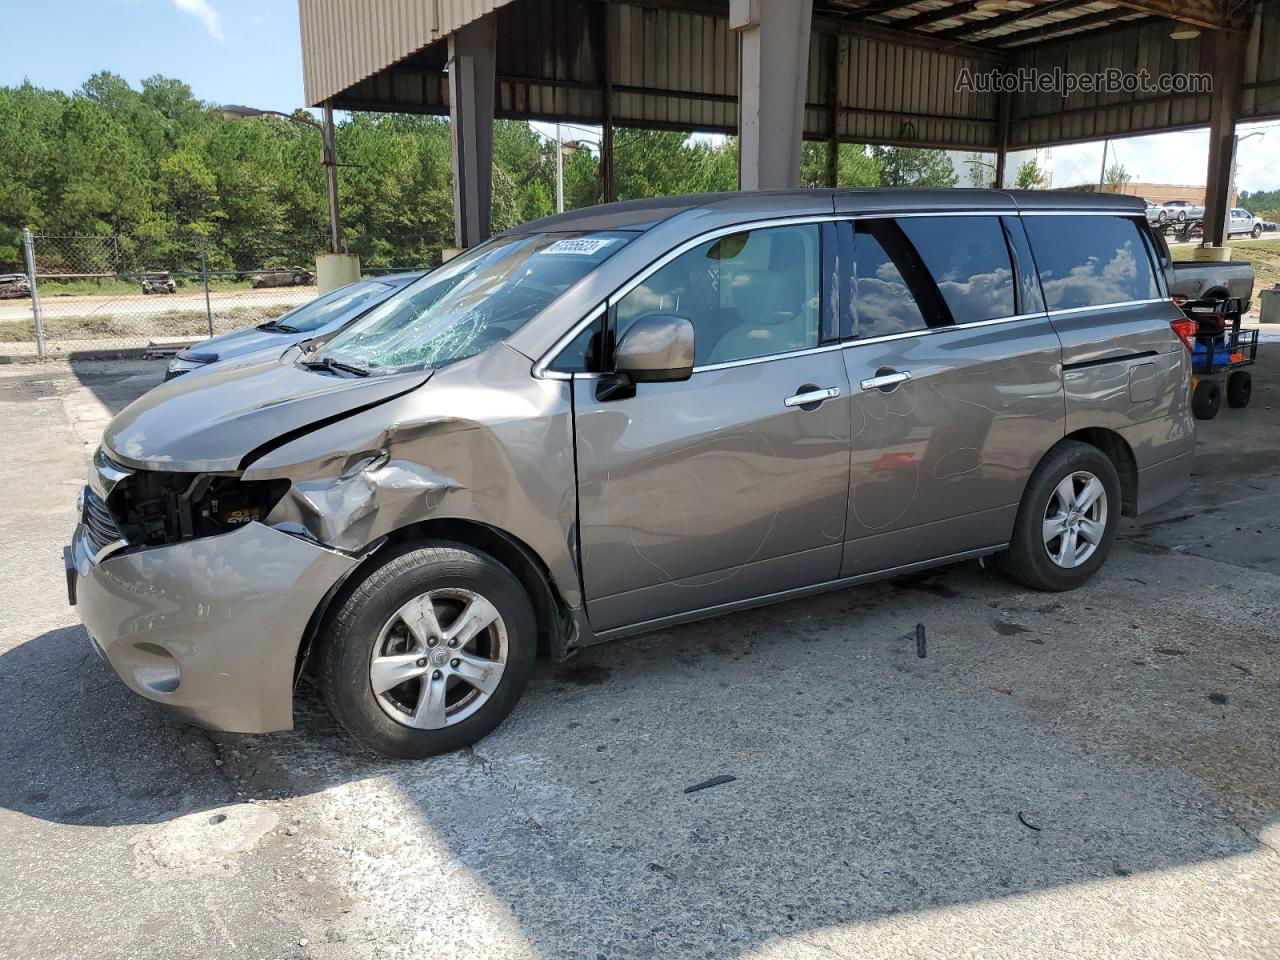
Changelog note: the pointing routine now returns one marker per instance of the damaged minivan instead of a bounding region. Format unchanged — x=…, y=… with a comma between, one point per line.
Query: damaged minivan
x=627, y=417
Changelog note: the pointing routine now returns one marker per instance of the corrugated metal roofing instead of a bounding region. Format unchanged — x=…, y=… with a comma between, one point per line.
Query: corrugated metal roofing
x=884, y=71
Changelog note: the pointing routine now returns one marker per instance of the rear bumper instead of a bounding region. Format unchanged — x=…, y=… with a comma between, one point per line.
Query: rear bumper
x=1161, y=482
x=209, y=628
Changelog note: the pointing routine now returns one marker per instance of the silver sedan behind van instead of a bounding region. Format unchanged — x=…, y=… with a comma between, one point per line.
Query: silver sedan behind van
x=628, y=417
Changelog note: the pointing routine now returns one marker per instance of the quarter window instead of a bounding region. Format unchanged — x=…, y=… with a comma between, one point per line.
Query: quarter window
x=969, y=261
x=1087, y=261
x=749, y=294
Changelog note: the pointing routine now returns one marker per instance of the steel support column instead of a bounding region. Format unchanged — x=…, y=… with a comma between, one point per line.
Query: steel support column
x=1224, y=108
x=472, y=55
x=1002, y=140
x=606, y=112
x=773, y=68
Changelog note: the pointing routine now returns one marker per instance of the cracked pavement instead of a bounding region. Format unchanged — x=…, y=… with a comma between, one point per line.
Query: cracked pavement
x=1074, y=775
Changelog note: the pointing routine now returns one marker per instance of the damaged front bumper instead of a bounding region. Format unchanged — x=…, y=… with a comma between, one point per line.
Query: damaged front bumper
x=209, y=628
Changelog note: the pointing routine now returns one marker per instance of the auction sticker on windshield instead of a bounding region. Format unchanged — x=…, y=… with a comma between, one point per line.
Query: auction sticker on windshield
x=582, y=247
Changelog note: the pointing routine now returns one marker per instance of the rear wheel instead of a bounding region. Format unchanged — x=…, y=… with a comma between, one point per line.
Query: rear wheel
x=430, y=652
x=1239, y=388
x=1066, y=521
x=1206, y=399
x=1256, y=232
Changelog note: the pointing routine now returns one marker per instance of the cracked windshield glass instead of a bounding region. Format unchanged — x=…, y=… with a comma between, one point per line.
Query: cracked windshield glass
x=470, y=303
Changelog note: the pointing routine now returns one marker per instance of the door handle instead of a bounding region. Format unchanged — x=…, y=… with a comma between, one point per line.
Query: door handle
x=882, y=380
x=811, y=396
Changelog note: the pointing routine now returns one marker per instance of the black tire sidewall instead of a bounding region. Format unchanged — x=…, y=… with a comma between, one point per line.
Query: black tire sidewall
x=1206, y=400
x=1027, y=560
x=1239, y=389
x=347, y=645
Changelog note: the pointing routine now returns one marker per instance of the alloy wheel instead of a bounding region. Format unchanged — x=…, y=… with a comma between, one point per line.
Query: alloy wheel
x=439, y=658
x=1075, y=519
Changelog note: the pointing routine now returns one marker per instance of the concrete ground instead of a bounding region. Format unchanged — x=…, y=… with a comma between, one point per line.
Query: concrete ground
x=1084, y=775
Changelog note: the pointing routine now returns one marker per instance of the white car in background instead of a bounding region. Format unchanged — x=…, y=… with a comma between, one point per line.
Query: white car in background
x=1179, y=210
x=1244, y=222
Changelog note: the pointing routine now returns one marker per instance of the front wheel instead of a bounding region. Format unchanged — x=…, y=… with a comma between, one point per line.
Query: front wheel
x=429, y=652
x=1066, y=521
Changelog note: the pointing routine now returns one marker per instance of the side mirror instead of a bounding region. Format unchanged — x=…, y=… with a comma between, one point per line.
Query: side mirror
x=656, y=349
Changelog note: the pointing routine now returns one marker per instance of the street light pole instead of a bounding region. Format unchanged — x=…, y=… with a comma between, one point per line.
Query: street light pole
x=234, y=111
x=337, y=268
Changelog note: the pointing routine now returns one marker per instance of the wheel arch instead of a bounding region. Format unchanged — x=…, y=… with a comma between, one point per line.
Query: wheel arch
x=554, y=617
x=1116, y=449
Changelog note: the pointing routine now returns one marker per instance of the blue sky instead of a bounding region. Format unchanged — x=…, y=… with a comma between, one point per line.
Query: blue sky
x=229, y=51
x=247, y=51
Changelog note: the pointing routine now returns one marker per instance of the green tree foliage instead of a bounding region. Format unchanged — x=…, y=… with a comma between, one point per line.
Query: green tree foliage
x=160, y=169
x=914, y=167
x=1030, y=176
x=1117, y=174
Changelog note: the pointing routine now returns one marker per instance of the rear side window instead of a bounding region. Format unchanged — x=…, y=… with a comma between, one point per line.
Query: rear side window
x=1089, y=261
x=969, y=261
x=886, y=276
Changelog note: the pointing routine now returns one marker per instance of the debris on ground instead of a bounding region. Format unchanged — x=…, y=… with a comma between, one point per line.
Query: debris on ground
x=1026, y=823
x=713, y=782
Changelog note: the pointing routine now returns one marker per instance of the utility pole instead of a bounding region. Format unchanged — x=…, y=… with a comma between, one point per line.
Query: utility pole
x=559, y=171
x=1102, y=177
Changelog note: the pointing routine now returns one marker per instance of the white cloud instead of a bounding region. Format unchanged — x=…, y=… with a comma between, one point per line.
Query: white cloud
x=204, y=12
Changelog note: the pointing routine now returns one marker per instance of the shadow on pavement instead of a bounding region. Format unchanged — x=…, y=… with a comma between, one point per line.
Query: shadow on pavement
x=868, y=782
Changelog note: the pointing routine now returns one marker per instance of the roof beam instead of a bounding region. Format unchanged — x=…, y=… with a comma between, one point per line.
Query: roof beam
x=1027, y=13
x=1035, y=36
x=949, y=12
x=1200, y=13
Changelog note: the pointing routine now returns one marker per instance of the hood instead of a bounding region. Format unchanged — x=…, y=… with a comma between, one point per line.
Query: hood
x=240, y=342
x=211, y=422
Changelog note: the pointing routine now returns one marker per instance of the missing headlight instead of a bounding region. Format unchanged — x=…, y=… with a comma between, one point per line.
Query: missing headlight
x=155, y=508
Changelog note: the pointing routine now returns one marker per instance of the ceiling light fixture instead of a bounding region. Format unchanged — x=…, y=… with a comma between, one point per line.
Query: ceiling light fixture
x=1184, y=32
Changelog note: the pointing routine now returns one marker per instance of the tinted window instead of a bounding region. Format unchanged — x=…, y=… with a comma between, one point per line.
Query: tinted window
x=969, y=261
x=749, y=294
x=1090, y=261
x=583, y=354
x=883, y=302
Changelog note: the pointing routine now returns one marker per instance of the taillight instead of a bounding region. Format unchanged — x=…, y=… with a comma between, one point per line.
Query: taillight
x=1185, y=328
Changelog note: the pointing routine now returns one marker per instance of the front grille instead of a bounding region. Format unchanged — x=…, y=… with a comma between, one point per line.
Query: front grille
x=98, y=522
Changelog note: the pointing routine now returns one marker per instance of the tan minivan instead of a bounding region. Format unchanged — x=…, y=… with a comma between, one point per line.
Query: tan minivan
x=628, y=417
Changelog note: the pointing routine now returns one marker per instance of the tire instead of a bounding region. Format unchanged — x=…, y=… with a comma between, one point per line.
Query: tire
x=1182, y=216
x=1030, y=559
x=454, y=579
x=1206, y=399
x=1239, y=389
x=1256, y=232
x=1161, y=217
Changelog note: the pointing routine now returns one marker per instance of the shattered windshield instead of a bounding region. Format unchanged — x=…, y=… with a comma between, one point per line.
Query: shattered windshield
x=472, y=302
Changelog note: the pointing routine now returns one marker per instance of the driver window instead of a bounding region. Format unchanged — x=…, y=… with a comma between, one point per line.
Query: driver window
x=749, y=294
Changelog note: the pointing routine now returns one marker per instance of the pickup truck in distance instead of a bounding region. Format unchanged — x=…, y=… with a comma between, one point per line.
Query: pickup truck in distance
x=1207, y=279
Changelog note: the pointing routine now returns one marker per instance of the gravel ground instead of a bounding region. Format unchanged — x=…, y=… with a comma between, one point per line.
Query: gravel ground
x=1081, y=775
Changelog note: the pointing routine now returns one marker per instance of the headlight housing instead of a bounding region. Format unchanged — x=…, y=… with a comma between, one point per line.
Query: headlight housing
x=187, y=360
x=151, y=508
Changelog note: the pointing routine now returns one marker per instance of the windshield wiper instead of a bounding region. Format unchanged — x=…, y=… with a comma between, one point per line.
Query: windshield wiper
x=275, y=327
x=330, y=364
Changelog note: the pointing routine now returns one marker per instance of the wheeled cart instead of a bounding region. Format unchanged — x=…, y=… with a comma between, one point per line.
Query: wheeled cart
x=1221, y=352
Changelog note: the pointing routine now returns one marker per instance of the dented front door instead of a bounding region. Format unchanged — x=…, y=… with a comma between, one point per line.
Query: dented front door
x=714, y=490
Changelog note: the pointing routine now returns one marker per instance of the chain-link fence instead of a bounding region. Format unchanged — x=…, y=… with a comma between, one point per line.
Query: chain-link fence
x=100, y=293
